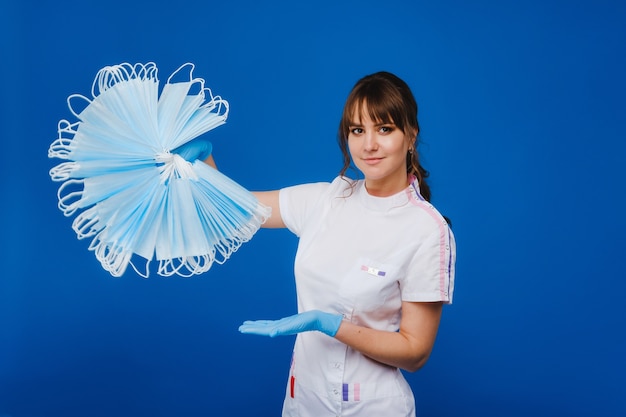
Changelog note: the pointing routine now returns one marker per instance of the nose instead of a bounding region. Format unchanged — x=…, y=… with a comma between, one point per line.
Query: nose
x=370, y=142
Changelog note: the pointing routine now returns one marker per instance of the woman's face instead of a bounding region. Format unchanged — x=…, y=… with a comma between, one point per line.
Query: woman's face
x=379, y=151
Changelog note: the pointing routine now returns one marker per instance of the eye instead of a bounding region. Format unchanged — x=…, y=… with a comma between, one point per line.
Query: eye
x=386, y=129
x=356, y=130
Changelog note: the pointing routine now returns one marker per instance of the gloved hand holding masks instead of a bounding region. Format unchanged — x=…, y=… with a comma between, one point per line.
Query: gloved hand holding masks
x=198, y=148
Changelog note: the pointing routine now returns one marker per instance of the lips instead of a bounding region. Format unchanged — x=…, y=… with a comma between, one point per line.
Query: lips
x=372, y=161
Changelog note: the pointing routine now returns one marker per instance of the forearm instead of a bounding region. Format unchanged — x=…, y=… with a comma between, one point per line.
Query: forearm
x=210, y=161
x=271, y=199
x=409, y=348
x=390, y=348
x=267, y=198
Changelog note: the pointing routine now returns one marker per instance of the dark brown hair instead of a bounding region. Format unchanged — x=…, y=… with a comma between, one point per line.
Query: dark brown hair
x=388, y=99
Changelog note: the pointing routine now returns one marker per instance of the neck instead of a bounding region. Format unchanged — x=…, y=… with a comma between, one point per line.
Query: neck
x=386, y=187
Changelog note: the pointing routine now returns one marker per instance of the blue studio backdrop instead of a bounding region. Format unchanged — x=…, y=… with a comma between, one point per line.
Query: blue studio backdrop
x=523, y=129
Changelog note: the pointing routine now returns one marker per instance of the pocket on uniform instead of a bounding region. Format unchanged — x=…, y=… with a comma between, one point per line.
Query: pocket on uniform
x=370, y=284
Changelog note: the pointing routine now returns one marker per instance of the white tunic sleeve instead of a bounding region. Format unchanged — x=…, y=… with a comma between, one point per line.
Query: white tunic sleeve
x=430, y=275
x=298, y=202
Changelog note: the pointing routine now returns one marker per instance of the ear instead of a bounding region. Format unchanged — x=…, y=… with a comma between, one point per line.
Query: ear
x=411, y=139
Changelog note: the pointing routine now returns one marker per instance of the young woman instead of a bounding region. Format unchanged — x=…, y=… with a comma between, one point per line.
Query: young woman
x=375, y=263
x=375, y=260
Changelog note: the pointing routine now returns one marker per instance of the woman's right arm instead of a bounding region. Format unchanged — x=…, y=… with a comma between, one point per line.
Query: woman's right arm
x=267, y=198
x=270, y=199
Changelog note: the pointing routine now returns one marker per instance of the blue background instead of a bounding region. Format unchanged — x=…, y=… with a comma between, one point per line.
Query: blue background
x=522, y=108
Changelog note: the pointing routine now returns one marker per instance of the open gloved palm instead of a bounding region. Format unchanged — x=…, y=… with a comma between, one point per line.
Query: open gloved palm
x=313, y=320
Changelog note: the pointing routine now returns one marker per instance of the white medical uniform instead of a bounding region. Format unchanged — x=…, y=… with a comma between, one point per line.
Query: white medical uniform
x=360, y=256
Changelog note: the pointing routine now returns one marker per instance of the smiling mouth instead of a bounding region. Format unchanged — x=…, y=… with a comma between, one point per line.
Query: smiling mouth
x=372, y=161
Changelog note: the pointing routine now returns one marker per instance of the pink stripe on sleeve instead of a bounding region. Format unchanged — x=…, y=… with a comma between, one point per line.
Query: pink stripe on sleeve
x=445, y=262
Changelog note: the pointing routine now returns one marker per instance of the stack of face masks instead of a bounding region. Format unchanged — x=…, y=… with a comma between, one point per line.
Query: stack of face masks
x=137, y=200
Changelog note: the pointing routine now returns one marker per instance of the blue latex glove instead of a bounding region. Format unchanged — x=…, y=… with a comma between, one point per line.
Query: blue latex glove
x=304, y=322
x=198, y=148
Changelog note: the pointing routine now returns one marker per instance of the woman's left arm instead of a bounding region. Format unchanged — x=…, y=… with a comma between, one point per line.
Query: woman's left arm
x=409, y=348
